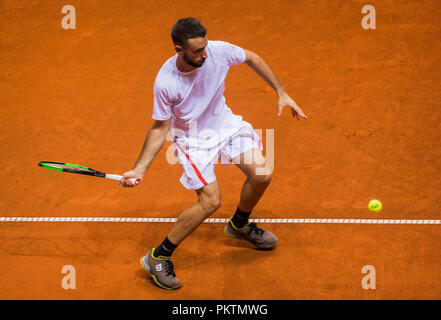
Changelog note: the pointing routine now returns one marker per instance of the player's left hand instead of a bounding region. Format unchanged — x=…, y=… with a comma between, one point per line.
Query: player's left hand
x=285, y=100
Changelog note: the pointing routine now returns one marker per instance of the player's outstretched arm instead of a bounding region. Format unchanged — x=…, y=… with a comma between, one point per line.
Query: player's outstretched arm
x=263, y=70
x=154, y=141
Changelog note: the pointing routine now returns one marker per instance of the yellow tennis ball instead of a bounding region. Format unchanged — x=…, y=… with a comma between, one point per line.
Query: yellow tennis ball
x=375, y=205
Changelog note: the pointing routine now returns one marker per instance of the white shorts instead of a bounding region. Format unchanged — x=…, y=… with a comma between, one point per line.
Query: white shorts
x=198, y=159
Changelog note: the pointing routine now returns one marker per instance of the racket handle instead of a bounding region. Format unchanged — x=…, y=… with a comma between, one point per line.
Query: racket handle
x=117, y=177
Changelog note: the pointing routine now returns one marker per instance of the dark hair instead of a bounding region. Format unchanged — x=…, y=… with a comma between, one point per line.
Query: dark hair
x=187, y=28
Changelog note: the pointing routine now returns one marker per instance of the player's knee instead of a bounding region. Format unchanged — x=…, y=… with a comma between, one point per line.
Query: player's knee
x=211, y=204
x=214, y=204
x=262, y=179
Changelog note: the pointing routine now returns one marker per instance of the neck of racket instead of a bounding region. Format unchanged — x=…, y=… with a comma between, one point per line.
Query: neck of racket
x=117, y=177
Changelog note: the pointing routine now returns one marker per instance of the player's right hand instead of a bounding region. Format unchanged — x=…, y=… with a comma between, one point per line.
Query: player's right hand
x=125, y=180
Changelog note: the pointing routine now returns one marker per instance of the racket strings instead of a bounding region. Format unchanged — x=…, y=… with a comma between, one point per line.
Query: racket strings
x=67, y=167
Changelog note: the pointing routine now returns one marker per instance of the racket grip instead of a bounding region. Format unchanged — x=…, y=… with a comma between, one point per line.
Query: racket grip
x=117, y=177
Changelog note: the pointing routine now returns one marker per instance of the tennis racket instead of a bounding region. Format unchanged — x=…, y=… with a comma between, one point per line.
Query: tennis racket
x=74, y=168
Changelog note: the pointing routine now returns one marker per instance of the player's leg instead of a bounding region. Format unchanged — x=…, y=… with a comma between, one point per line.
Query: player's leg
x=258, y=177
x=209, y=198
x=198, y=175
x=157, y=262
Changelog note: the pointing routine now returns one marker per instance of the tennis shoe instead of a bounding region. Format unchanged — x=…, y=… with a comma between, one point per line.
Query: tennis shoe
x=261, y=238
x=161, y=270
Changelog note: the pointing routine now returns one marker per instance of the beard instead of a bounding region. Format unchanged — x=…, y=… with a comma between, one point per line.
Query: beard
x=191, y=63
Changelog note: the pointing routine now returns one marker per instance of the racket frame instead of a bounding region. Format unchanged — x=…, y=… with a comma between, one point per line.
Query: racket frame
x=87, y=171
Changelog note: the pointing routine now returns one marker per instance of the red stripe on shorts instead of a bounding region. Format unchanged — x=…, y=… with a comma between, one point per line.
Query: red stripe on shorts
x=192, y=164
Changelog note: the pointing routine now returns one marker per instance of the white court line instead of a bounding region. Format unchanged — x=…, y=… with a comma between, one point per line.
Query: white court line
x=219, y=220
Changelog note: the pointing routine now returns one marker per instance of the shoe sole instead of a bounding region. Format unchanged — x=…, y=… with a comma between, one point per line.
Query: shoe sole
x=146, y=268
x=236, y=236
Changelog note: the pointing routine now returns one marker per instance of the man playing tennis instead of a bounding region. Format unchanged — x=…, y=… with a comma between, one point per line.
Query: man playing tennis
x=189, y=102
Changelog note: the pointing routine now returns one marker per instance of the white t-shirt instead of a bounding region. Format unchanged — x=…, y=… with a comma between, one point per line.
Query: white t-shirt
x=194, y=100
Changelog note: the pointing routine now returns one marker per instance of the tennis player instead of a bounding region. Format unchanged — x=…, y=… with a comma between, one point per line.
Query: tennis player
x=189, y=102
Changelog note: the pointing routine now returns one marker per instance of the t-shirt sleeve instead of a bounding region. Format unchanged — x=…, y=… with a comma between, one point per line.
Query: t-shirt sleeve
x=161, y=104
x=233, y=54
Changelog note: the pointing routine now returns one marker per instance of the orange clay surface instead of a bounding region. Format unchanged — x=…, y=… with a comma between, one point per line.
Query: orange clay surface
x=85, y=96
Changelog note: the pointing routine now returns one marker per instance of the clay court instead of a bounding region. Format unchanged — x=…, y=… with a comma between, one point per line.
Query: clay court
x=84, y=96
